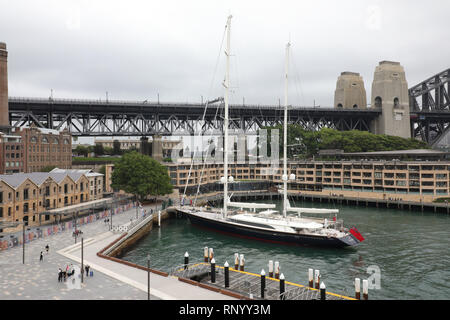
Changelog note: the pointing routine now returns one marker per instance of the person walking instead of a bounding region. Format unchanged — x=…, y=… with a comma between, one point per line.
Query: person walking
x=41, y=257
x=60, y=275
x=47, y=247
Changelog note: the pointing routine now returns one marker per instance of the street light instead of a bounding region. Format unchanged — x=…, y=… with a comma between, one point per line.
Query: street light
x=148, y=277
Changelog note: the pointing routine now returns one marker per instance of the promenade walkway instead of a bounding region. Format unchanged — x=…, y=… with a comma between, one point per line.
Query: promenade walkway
x=38, y=280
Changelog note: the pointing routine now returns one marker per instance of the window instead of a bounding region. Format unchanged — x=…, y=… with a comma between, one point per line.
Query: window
x=1, y=197
x=33, y=140
x=44, y=140
x=355, y=106
x=339, y=105
x=378, y=102
x=25, y=194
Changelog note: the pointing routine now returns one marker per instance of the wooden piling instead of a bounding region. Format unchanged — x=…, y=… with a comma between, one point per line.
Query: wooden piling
x=311, y=277
x=271, y=268
x=205, y=254
x=365, y=289
x=277, y=270
x=236, y=261
x=317, y=278
x=242, y=262
x=357, y=288
x=211, y=254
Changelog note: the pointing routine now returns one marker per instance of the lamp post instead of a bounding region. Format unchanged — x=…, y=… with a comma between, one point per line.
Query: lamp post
x=82, y=270
x=148, y=277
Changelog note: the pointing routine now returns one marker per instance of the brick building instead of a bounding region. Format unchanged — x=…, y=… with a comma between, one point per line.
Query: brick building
x=32, y=149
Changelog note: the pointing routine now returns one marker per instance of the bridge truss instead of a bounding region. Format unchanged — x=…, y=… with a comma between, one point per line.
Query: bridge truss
x=125, y=118
x=430, y=108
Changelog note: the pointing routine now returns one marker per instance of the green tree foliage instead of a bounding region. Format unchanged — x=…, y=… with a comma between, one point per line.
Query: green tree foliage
x=116, y=147
x=307, y=143
x=99, y=150
x=47, y=168
x=140, y=175
x=82, y=150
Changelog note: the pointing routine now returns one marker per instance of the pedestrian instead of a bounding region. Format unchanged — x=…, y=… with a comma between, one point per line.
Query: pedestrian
x=46, y=248
x=60, y=275
x=86, y=268
x=41, y=258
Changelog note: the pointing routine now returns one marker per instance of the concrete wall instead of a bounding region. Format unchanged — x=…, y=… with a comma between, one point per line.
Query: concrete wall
x=390, y=93
x=350, y=92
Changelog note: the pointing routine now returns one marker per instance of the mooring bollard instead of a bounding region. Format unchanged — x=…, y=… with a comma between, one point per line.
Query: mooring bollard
x=236, y=261
x=357, y=289
x=213, y=270
x=277, y=270
x=263, y=283
x=317, y=280
x=226, y=267
x=270, y=268
x=311, y=277
x=186, y=260
x=205, y=254
x=365, y=289
x=323, y=288
x=211, y=254
x=282, y=287
x=242, y=260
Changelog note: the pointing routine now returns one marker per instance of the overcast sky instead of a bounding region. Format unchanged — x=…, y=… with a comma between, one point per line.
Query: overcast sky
x=137, y=49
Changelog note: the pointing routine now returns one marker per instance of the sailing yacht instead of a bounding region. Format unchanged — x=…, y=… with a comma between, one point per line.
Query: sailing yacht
x=259, y=220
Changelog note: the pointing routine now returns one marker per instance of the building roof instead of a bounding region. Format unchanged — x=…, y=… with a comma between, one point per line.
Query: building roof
x=399, y=152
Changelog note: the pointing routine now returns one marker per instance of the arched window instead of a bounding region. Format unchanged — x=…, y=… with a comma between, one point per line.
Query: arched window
x=66, y=141
x=55, y=141
x=378, y=102
x=396, y=103
x=355, y=106
x=339, y=105
x=33, y=139
x=44, y=140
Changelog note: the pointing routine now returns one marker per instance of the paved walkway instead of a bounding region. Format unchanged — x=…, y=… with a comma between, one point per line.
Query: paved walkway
x=39, y=280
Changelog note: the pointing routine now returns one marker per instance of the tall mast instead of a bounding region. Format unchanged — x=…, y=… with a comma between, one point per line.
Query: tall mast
x=225, y=124
x=285, y=176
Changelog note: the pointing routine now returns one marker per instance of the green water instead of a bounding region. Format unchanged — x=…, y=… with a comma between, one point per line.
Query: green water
x=411, y=250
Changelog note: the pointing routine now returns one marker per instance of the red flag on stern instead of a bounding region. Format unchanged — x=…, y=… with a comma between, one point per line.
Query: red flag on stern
x=356, y=234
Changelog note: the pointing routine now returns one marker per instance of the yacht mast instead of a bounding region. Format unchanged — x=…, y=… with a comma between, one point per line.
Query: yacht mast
x=225, y=124
x=285, y=176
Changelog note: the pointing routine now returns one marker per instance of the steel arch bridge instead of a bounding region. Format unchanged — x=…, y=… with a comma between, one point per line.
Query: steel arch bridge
x=131, y=118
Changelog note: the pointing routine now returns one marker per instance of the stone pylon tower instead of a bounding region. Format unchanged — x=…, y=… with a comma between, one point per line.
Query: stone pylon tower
x=4, y=110
x=350, y=92
x=390, y=93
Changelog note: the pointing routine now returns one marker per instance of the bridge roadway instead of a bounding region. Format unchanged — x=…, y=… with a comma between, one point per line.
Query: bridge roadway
x=142, y=118
x=131, y=118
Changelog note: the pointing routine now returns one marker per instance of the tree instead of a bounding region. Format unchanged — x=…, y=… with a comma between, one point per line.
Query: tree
x=116, y=147
x=47, y=168
x=99, y=150
x=140, y=175
x=82, y=150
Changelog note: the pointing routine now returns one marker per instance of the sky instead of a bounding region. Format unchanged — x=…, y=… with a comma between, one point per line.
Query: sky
x=139, y=50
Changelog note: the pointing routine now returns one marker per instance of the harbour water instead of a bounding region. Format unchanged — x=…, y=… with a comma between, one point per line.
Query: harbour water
x=409, y=249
